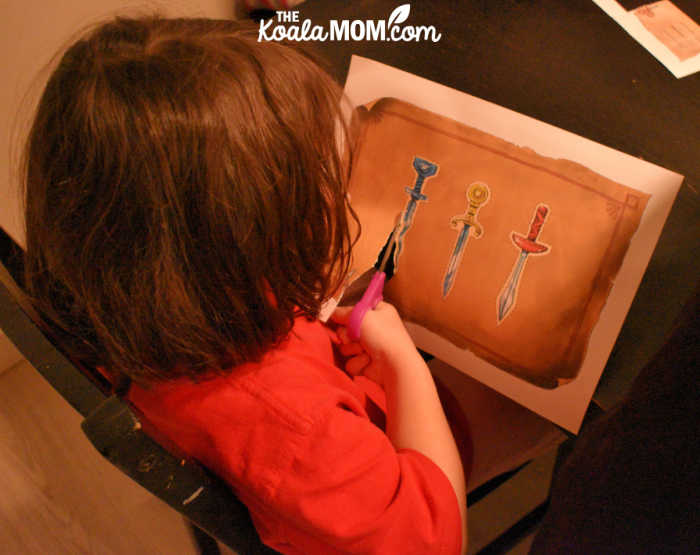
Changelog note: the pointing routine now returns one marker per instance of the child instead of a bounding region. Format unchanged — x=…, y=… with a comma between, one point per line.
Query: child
x=186, y=217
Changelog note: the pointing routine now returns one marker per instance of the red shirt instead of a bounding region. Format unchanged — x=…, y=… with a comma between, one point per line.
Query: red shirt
x=301, y=445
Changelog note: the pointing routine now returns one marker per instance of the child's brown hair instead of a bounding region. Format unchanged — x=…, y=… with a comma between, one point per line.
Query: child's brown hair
x=185, y=196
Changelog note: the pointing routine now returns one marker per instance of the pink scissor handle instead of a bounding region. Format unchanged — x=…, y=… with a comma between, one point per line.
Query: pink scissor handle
x=370, y=299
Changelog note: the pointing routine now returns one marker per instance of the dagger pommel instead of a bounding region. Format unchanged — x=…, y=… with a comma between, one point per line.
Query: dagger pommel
x=477, y=194
x=423, y=167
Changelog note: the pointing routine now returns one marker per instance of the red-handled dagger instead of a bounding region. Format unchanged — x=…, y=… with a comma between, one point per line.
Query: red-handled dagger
x=528, y=245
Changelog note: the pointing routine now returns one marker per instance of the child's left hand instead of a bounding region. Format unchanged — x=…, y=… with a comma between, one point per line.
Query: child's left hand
x=382, y=348
x=357, y=361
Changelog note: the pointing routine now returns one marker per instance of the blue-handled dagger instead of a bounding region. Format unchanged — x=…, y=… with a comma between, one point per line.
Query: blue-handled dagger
x=477, y=195
x=424, y=169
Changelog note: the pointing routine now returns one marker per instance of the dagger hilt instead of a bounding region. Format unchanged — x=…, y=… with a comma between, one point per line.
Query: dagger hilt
x=423, y=169
x=477, y=194
x=529, y=244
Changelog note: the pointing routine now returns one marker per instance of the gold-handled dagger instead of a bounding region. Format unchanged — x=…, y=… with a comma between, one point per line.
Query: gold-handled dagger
x=477, y=195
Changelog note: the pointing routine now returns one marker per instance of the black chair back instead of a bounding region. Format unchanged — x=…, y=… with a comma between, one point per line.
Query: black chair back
x=111, y=426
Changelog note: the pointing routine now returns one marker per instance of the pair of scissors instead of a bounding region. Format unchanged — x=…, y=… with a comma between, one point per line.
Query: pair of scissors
x=373, y=295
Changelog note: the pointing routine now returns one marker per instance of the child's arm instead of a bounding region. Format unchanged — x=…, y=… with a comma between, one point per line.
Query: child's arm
x=415, y=419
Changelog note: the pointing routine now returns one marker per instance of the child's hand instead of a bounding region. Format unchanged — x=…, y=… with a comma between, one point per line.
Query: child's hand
x=383, y=341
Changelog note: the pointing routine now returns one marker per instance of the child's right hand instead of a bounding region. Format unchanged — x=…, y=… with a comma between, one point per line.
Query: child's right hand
x=383, y=343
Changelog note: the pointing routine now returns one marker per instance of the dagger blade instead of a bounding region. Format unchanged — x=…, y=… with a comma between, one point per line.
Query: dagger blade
x=406, y=222
x=455, y=260
x=507, y=297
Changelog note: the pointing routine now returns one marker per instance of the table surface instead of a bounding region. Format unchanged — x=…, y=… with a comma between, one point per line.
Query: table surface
x=567, y=63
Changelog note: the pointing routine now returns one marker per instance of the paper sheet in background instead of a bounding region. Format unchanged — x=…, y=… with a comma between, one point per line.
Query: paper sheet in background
x=565, y=405
x=664, y=30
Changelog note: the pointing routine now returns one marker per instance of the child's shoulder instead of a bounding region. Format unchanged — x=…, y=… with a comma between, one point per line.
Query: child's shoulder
x=293, y=385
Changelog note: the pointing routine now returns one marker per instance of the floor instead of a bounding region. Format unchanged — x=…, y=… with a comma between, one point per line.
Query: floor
x=60, y=497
